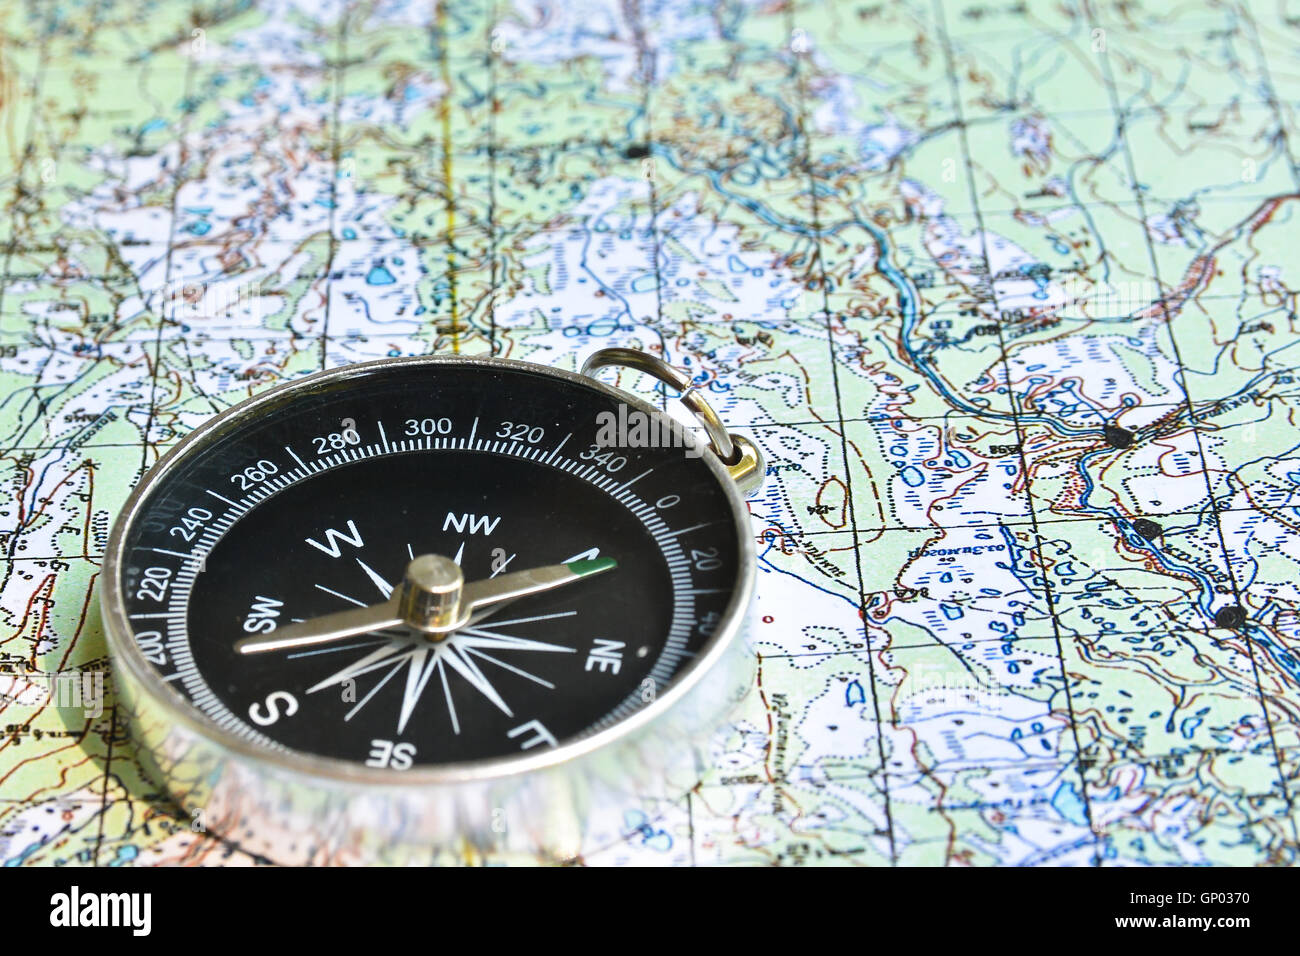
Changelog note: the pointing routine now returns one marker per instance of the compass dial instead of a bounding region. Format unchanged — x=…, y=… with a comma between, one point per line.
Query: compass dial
x=319, y=501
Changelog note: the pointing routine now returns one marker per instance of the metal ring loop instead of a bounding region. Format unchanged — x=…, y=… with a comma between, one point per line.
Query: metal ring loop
x=719, y=440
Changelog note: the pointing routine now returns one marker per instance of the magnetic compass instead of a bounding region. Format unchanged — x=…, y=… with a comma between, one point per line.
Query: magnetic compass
x=423, y=599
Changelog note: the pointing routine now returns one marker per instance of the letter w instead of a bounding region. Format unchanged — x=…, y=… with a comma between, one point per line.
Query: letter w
x=334, y=537
x=270, y=607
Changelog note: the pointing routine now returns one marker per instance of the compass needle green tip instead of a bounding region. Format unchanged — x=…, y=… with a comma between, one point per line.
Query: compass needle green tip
x=591, y=566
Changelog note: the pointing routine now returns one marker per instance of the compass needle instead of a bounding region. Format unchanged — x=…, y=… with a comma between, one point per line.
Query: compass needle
x=320, y=630
x=422, y=591
x=507, y=587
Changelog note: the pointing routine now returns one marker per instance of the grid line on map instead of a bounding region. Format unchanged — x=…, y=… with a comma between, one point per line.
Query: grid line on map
x=1175, y=632
x=963, y=140
x=1122, y=134
x=441, y=63
x=337, y=66
x=648, y=71
x=493, y=146
x=177, y=179
x=13, y=245
x=29, y=139
x=805, y=160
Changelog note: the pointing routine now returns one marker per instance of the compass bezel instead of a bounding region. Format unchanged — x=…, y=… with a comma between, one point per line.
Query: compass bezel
x=180, y=710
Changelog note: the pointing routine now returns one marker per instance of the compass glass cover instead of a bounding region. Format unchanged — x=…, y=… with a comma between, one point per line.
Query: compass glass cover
x=317, y=503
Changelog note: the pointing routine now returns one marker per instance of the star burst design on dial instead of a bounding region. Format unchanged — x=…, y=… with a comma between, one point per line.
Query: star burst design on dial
x=461, y=654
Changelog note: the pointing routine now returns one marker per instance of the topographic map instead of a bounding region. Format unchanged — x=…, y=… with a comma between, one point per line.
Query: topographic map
x=1002, y=290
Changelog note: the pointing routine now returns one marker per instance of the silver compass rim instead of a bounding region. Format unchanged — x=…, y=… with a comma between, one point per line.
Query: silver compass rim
x=123, y=648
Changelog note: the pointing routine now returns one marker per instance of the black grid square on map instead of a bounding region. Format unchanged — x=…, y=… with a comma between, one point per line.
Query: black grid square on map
x=1131, y=466
x=547, y=104
x=876, y=71
x=555, y=185
x=1217, y=707
x=1233, y=348
x=80, y=292
x=1044, y=70
x=254, y=289
x=1064, y=170
x=838, y=827
x=391, y=287
x=722, y=274
x=804, y=491
x=90, y=110
x=1229, y=143
x=940, y=472
x=78, y=394
x=1241, y=475
x=1158, y=573
x=965, y=592
x=43, y=211
x=1209, y=806
x=1031, y=815
x=799, y=573
x=978, y=707
x=597, y=276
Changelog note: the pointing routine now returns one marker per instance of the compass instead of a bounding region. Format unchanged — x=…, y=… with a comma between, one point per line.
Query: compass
x=431, y=599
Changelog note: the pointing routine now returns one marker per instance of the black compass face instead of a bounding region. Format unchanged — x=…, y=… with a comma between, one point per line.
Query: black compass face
x=319, y=504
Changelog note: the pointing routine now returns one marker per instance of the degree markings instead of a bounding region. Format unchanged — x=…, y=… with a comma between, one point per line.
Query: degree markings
x=556, y=451
x=175, y=554
x=631, y=481
x=694, y=527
